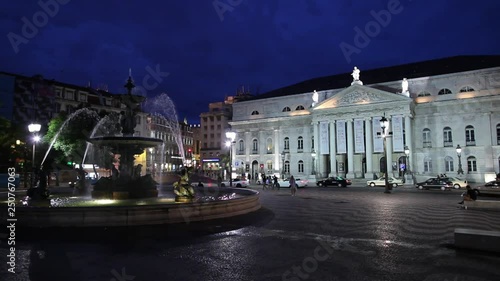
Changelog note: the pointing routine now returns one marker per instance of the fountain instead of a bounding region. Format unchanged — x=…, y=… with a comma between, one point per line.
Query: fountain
x=128, y=199
x=126, y=181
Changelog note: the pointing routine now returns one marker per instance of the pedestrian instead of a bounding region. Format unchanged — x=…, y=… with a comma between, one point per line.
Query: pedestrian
x=275, y=183
x=470, y=195
x=293, y=185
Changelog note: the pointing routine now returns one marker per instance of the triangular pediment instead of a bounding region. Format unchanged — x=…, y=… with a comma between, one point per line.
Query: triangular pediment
x=360, y=95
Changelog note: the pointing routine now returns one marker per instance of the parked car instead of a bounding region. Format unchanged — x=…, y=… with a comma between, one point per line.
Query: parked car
x=457, y=183
x=394, y=182
x=334, y=181
x=301, y=183
x=435, y=183
x=493, y=184
x=236, y=183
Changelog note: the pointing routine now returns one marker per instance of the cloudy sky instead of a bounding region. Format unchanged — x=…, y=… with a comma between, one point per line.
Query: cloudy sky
x=199, y=51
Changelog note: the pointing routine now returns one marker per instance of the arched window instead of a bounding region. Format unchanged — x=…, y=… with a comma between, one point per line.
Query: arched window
x=444, y=92
x=255, y=112
x=241, y=147
x=448, y=164
x=269, y=145
x=286, y=109
x=423, y=94
x=427, y=165
x=300, y=144
x=301, y=166
x=255, y=146
x=447, y=137
x=300, y=107
x=286, y=169
x=471, y=164
x=286, y=144
x=470, y=136
x=426, y=138
x=498, y=134
x=466, y=89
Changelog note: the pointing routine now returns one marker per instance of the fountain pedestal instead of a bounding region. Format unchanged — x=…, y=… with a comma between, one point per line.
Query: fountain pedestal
x=126, y=181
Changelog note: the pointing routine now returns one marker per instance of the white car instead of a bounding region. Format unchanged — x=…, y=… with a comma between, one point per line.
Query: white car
x=394, y=182
x=457, y=183
x=236, y=183
x=301, y=183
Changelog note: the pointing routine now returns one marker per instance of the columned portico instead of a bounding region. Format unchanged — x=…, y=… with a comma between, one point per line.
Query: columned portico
x=351, y=134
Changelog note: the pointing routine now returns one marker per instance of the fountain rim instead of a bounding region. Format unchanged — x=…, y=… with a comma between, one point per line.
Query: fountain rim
x=252, y=194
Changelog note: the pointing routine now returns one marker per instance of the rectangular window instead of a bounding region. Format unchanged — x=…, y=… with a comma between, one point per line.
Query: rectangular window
x=83, y=97
x=69, y=95
x=427, y=166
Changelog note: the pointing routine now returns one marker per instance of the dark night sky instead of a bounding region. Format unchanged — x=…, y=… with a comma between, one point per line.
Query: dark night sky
x=263, y=44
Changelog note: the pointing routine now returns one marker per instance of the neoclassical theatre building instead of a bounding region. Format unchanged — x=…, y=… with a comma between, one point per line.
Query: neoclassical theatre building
x=331, y=125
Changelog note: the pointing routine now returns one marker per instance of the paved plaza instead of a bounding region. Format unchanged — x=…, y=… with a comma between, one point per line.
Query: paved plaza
x=355, y=233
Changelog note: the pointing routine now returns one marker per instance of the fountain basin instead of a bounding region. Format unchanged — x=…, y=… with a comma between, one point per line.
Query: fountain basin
x=136, y=215
x=136, y=144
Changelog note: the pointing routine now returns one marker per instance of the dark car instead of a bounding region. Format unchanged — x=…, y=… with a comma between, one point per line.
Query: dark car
x=493, y=184
x=334, y=181
x=440, y=183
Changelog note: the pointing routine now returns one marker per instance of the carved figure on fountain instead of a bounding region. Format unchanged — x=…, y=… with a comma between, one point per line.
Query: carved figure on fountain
x=183, y=190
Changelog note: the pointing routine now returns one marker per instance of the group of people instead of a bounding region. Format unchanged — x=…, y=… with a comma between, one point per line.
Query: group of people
x=267, y=182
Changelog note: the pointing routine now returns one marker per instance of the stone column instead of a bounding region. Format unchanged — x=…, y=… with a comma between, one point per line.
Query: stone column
x=350, y=150
x=333, y=150
x=369, y=148
x=319, y=158
x=277, y=152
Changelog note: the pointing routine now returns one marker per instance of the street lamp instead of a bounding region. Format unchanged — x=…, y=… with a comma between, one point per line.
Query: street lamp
x=34, y=128
x=283, y=164
x=231, y=136
x=313, y=154
x=459, y=154
x=384, y=124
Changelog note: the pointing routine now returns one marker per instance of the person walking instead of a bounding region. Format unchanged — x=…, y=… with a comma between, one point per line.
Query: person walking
x=293, y=185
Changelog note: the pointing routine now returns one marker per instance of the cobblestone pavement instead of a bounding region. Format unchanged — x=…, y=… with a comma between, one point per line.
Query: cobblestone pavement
x=355, y=233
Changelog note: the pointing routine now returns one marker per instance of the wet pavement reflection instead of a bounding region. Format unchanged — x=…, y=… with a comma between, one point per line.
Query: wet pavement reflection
x=320, y=234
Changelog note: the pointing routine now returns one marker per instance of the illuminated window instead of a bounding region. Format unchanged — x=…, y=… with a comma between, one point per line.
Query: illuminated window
x=466, y=89
x=444, y=92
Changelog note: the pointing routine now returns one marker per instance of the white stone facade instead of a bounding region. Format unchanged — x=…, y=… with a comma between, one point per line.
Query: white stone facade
x=435, y=115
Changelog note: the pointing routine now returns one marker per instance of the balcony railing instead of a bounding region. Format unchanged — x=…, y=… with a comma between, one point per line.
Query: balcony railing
x=448, y=144
x=254, y=151
x=470, y=143
x=427, y=144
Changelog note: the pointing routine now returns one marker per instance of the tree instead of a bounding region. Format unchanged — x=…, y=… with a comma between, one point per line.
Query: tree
x=70, y=140
x=8, y=151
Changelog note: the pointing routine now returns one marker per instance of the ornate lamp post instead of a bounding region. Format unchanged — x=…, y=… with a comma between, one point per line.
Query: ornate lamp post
x=34, y=128
x=283, y=164
x=459, y=154
x=384, y=124
x=231, y=136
